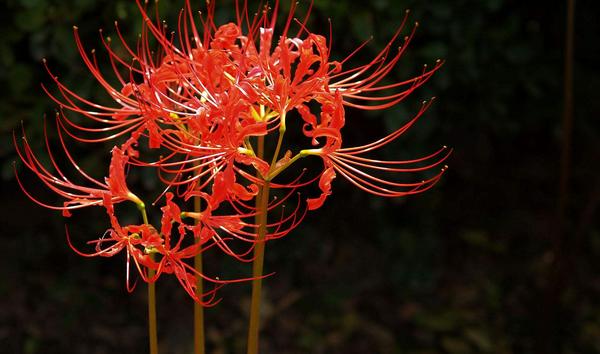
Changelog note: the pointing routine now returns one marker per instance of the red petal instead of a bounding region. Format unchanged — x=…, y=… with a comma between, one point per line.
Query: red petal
x=325, y=186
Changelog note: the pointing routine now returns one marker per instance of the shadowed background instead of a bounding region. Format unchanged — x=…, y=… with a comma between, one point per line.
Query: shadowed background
x=478, y=264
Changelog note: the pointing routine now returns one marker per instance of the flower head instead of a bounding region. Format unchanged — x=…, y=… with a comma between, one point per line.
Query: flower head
x=213, y=102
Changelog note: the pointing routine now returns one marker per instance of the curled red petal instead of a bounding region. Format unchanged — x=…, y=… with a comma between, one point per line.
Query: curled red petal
x=325, y=185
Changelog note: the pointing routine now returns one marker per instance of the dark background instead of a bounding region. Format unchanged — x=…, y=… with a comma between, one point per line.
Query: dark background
x=482, y=263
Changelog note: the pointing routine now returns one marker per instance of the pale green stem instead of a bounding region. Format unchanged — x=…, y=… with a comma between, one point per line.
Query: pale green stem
x=152, y=331
x=262, y=206
x=257, y=270
x=260, y=150
x=198, y=308
x=152, y=327
x=279, y=140
x=273, y=173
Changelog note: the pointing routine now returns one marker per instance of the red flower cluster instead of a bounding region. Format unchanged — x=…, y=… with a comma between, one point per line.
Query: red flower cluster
x=206, y=99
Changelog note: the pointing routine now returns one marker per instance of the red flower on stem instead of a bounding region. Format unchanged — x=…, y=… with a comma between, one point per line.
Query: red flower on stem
x=113, y=190
x=207, y=98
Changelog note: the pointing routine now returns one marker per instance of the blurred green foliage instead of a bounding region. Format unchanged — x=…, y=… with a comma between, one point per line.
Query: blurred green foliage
x=465, y=268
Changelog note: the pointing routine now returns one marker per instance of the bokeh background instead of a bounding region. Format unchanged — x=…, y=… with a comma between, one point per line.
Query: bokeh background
x=482, y=263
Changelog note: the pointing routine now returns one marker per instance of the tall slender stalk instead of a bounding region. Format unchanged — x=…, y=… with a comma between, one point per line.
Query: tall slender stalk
x=152, y=331
x=253, y=327
x=152, y=327
x=198, y=308
x=257, y=269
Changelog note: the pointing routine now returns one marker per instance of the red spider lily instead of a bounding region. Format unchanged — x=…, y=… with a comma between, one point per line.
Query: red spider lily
x=359, y=170
x=140, y=241
x=238, y=225
x=113, y=190
x=206, y=99
x=207, y=88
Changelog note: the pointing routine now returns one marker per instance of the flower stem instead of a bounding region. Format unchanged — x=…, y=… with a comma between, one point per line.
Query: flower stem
x=257, y=269
x=198, y=308
x=279, y=140
x=152, y=332
x=152, y=313
x=260, y=152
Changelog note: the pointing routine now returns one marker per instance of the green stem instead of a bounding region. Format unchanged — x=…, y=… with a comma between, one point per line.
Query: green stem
x=198, y=308
x=257, y=270
x=152, y=327
x=152, y=332
x=279, y=140
x=260, y=150
x=277, y=148
x=274, y=172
